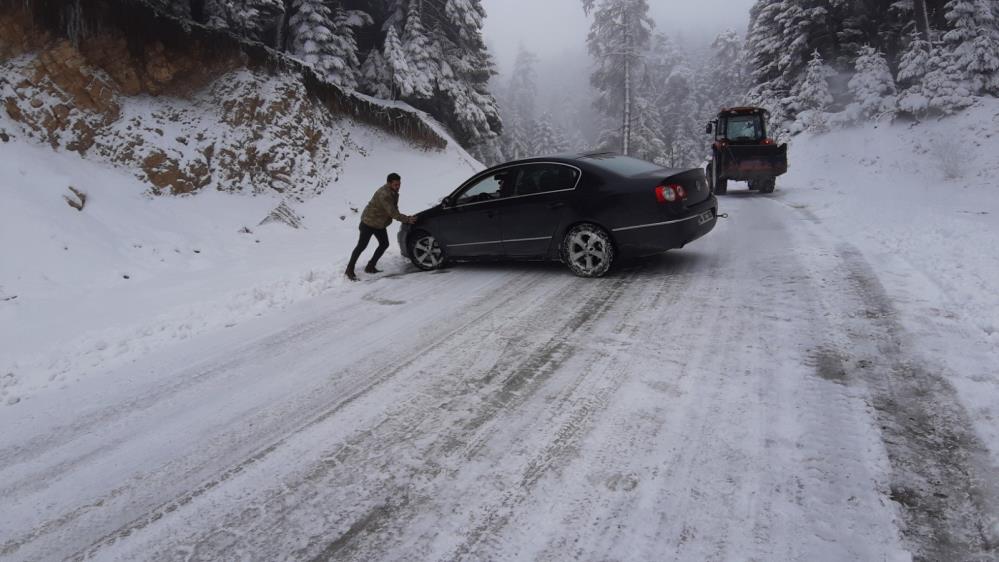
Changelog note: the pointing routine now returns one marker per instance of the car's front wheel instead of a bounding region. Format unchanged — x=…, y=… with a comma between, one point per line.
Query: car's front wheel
x=588, y=250
x=425, y=252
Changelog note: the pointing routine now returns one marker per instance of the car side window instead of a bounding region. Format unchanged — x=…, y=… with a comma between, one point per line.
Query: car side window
x=492, y=187
x=543, y=178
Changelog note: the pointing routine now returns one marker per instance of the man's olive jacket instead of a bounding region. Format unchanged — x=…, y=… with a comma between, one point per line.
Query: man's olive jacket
x=384, y=207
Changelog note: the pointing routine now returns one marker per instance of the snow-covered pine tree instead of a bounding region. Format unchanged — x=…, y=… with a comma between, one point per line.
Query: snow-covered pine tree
x=375, y=75
x=811, y=97
x=929, y=80
x=872, y=86
x=419, y=53
x=668, y=123
x=257, y=20
x=523, y=90
x=467, y=17
x=400, y=75
x=973, y=41
x=856, y=24
x=769, y=88
x=519, y=106
x=463, y=65
x=813, y=91
x=311, y=33
x=763, y=40
x=546, y=138
x=944, y=86
x=803, y=29
x=489, y=152
x=647, y=132
x=618, y=38
x=726, y=81
x=179, y=9
x=682, y=128
x=914, y=62
x=324, y=38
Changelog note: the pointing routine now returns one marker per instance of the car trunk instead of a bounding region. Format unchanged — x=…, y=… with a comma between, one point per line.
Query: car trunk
x=692, y=180
x=633, y=201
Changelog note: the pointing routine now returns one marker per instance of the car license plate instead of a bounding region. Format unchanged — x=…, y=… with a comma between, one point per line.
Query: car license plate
x=705, y=217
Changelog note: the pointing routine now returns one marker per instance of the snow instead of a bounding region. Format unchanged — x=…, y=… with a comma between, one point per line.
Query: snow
x=762, y=394
x=130, y=274
x=921, y=202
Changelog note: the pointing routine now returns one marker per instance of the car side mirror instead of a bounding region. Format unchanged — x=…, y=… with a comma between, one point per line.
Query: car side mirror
x=709, y=129
x=447, y=202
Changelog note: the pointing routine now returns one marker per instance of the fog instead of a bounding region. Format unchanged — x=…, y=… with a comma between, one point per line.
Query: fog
x=554, y=28
x=556, y=31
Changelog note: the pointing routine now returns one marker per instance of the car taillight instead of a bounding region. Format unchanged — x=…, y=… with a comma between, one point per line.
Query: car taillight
x=670, y=193
x=768, y=141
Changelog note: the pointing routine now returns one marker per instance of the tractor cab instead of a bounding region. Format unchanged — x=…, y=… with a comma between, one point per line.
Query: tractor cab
x=743, y=151
x=740, y=125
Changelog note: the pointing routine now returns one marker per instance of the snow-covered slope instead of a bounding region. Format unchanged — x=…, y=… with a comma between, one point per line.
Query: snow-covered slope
x=921, y=203
x=131, y=273
x=926, y=194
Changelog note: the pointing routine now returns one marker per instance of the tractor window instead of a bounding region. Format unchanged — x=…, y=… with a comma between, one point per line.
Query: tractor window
x=744, y=128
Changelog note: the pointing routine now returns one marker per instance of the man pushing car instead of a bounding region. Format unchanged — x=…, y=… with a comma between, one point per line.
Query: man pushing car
x=375, y=220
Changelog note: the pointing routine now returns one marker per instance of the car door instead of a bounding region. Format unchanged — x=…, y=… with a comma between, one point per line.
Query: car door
x=471, y=223
x=531, y=218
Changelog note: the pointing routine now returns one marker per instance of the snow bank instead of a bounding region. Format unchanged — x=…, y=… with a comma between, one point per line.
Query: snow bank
x=927, y=194
x=921, y=203
x=129, y=274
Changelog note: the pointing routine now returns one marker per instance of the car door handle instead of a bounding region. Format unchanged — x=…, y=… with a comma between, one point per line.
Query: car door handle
x=556, y=205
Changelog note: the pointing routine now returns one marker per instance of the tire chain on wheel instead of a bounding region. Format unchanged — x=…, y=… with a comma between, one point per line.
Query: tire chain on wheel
x=606, y=242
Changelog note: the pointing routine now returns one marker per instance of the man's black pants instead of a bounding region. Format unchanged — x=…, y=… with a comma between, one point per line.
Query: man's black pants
x=367, y=232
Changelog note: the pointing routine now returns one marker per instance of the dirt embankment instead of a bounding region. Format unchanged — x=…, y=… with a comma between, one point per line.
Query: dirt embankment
x=183, y=107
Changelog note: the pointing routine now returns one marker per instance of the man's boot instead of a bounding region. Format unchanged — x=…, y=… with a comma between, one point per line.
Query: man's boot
x=350, y=274
x=372, y=269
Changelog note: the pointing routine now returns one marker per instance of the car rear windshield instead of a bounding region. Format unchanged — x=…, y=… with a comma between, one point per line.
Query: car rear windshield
x=623, y=165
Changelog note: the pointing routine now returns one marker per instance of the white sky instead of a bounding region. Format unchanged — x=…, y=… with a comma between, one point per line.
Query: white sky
x=556, y=27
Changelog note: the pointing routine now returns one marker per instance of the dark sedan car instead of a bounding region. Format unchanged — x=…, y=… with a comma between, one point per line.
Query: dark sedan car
x=585, y=211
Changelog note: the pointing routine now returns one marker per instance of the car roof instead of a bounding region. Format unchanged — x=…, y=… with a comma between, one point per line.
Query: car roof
x=557, y=158
x=586, y=161
x=573, y=158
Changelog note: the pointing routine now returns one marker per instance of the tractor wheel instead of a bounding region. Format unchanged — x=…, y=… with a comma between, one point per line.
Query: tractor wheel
x=719, y=186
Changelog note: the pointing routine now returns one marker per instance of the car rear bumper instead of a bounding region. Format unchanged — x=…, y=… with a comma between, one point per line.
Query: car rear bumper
x=656, y=238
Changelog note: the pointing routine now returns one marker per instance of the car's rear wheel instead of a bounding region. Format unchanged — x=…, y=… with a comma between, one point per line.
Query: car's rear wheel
x=588, y=250
x=767, y=186
x=425, y=252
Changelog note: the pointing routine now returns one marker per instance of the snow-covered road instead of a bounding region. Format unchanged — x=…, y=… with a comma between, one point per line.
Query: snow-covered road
x=754, y=396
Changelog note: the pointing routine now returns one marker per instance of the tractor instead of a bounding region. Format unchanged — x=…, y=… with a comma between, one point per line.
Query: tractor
x=742, y=151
